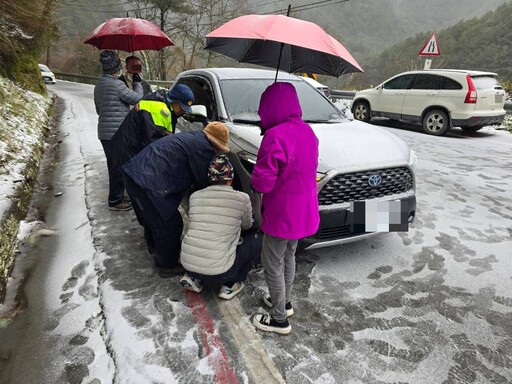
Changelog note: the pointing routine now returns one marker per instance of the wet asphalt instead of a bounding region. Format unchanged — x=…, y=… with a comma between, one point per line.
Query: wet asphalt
x=433, y=305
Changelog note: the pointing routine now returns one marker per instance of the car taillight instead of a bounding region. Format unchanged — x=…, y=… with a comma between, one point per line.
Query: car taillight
x=471, y=95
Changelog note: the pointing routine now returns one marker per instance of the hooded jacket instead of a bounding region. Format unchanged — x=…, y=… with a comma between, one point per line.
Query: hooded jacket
x=285, y=170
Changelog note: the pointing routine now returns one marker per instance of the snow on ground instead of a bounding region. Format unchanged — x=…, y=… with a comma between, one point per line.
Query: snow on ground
x=23, y=119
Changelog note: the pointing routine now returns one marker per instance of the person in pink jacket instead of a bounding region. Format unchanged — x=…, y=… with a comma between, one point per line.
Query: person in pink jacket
x=285, y=173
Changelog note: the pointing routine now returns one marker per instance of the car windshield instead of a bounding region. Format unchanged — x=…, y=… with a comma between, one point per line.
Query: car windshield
x=242, y=98
x=44, y=68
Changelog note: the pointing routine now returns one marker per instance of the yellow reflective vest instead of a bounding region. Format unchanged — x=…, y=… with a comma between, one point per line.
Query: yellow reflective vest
x=160, y=113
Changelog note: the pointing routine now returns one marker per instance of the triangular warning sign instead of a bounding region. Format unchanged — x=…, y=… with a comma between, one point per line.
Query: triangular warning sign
x=431, y=48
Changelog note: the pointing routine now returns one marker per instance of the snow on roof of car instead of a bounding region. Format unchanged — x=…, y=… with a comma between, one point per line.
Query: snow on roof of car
x=244, y=73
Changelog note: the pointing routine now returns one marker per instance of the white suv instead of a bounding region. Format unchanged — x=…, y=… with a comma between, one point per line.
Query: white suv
x=437, y=98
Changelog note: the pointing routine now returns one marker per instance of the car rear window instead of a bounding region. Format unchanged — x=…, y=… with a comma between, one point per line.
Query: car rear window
x=448, y=83
x=486, y=82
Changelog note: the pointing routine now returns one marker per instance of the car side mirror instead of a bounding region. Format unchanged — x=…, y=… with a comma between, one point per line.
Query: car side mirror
x=197, y=115
x=198, y=110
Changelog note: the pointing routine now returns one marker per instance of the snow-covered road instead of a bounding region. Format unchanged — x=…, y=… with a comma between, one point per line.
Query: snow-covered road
x=432, y=305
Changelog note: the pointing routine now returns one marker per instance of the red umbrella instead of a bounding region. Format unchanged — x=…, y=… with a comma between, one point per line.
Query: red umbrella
x=284, y=43
x=128, y=34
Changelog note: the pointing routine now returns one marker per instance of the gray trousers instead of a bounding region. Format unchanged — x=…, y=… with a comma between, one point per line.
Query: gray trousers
x=278, y=260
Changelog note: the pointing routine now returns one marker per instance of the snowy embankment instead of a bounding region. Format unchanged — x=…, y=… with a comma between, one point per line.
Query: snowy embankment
x=24, y=122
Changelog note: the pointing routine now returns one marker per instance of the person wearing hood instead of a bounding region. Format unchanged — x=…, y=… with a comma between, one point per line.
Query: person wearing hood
x=285, y=174
x=157, y=179
x=112, y=100
x=155, y=118
x=133, y=66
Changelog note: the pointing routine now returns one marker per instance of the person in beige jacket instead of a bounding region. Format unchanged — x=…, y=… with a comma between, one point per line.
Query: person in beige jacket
x=213, y=250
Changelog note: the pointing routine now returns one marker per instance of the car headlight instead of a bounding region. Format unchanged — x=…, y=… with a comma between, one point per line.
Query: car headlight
x=319, y=176
x=248, y=160
x=413, y=159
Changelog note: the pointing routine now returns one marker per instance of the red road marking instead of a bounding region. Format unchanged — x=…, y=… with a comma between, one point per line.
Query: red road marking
x=219, y=362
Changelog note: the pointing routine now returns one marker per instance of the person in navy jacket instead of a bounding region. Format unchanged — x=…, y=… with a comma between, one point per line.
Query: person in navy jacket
x=157, y=179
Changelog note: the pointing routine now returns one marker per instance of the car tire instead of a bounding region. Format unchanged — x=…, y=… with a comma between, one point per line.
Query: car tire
x=436, y=122
x=472, y=129
x=361, y=111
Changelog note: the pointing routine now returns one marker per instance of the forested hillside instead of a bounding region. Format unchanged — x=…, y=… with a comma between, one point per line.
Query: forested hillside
x=480, y=43
x=366, y=27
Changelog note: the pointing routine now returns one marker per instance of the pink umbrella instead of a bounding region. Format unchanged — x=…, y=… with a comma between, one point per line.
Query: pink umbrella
x=284, y=43
x=128, y=34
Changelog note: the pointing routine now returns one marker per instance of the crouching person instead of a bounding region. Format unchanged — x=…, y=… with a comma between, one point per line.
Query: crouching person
x=213, y=250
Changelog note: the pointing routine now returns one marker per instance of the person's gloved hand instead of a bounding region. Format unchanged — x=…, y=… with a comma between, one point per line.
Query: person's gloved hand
x=136, y=78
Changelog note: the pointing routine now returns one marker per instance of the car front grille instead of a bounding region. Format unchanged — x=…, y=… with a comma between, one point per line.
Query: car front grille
x=347, y=187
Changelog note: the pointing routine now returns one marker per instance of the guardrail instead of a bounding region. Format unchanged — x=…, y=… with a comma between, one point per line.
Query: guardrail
x=85, y=79
x=335, y=93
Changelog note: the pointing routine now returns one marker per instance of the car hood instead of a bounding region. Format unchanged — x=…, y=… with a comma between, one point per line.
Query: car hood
x=346, y=146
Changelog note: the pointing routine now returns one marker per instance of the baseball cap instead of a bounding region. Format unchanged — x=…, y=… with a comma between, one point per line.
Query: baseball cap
x=182, y=94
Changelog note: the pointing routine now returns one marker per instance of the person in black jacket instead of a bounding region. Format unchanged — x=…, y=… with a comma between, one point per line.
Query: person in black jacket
x=155, y=118
x=157, y=179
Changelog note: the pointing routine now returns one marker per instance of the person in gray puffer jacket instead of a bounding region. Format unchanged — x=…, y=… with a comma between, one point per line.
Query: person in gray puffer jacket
x=112, y=99
x=214, y=250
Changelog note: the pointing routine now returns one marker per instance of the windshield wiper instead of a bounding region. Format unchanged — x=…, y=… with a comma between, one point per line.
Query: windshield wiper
x=319, y=121
x=247, y=121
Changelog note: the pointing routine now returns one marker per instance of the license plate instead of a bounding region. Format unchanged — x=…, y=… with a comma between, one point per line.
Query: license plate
x=378, y=216
x=499, y=99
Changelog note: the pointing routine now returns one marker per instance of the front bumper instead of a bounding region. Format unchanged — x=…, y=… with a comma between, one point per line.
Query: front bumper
x=335, y=225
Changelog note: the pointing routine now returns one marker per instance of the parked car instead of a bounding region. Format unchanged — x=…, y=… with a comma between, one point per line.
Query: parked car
x=324, y=89
x=47, y=74
x=319, y=86
x=357, y=161
x=437, y=98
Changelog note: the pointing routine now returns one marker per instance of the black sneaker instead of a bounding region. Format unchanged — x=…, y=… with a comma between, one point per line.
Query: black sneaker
x=268, y=324
x=288, y=306
x=122, y=206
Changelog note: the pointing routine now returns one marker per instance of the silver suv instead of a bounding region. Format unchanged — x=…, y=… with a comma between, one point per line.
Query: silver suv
x=360, y=166
x=438, y=99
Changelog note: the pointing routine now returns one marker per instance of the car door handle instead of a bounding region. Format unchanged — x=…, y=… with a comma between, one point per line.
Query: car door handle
x=400, y=93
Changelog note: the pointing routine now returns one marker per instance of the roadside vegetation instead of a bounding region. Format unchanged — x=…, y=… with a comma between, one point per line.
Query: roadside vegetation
x=24, y=123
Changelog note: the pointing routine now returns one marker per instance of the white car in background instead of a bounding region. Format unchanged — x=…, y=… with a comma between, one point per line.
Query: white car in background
x=47, y=74
x=436, y=98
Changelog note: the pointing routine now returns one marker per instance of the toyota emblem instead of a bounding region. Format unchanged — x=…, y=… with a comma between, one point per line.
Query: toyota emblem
x=374, y=180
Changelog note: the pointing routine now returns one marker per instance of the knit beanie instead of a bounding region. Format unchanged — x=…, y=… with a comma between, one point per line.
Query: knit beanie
x=110, y=62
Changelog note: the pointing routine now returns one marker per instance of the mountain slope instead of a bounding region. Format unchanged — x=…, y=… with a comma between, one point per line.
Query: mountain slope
x=480, y=43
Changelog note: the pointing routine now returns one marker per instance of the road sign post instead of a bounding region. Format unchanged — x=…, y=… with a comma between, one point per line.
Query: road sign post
x=431, y=48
